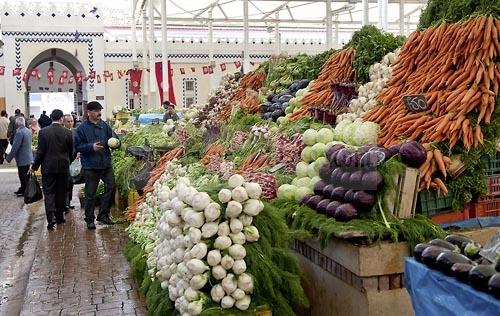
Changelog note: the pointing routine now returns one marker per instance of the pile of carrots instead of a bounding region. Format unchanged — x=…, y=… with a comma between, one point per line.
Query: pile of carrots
x=435, y=162
x=254, y=162
x=338, y=68
x=251, y=102
x=453, y=66
x=155, y=174
x=213, y=150
x=252, y=81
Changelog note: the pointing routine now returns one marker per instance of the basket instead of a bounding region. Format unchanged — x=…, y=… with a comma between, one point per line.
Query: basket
x=430, y=203
x=491, y=165
x=486, y=208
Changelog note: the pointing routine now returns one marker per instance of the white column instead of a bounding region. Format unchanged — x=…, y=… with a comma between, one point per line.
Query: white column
x=366, y=13
x=329, y=39
x=401, y=17
x=153, y=101
x=379, y=19
x=145, y=74
x=385, y=8
x=336, y=42
x=277, y=35
x=164, y=54
x=246, y=38
x=135, y=63
x=213, y=78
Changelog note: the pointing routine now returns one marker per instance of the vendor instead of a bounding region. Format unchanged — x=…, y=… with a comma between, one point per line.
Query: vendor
x=169, y=112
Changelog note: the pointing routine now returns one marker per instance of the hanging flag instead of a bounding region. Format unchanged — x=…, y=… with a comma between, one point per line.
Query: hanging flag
x=78, y=74
x=223, y=67
x=237, y=64
x=79, y=80
x=38, y=76
x=120, y=74
x=183, y=72
x=205, y=70
x=65, y=74
x=159, y=81
x=193, y=69
x=92, y=74
x=26, y=76
x=98, y=78
x=85, y=79
x=106, y=74
x=34, y=72
x=210, y=69
x=135, y=78
x=61, y=80
x=16, y=71
x=71, y=79
x=50, y=75
x=2, y=70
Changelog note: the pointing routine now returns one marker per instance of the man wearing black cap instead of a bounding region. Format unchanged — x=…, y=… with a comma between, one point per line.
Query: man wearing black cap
x=54, y=154
x=91, y=141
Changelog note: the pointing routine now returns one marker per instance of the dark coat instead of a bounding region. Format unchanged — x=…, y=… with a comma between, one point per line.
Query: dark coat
x=55, y=149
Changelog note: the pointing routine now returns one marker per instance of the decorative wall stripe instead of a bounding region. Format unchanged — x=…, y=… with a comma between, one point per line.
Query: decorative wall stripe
x=54, y=34
x=190, y=56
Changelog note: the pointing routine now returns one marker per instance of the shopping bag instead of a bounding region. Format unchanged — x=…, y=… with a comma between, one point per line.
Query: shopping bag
x=9, y=148
x=33, y=191
x=140, y=180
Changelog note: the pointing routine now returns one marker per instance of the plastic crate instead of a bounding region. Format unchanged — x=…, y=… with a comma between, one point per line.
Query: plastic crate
x=491, y=165
x=451, y=216
x=486, y=208
x=493, y=183
x=430, y=203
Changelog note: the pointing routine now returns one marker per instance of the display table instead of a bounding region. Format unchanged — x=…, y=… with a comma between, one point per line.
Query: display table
x=433, y=293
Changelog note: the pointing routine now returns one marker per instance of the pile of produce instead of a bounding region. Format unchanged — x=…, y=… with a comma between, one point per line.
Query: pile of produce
x=458, y=256
x=337, y=69
x=277, y=104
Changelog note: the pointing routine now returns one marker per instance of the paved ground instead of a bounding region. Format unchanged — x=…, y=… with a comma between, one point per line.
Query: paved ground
x=68, y=271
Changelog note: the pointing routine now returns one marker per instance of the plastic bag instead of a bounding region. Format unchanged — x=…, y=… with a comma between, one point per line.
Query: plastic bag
x=75, y=168
x=9, y=148
x=140, y=180
x=33, y=191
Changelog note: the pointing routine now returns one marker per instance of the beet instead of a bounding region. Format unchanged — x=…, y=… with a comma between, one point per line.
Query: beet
x=342, y=156
x=333, y=159
x=335, y=176
x=349, y=196
x=346, y=212
x=430, y=254
x=372, y=158
x=321, y=208
x=356, y=179
x=461, y=271
x=314, y=201
x=444, y=244
x=413, y=154
x=446, y=260
x=338, y=194
x=394, y=149
x=494, y=285
x=332, y=208
x=417, y=252
x=333, y=150
x=318, y=187
x=327, y=191
x=305, y=198
x=345, y=179
x=364, y=200
x=325, y=172
x=372, y=180
x=480, y=275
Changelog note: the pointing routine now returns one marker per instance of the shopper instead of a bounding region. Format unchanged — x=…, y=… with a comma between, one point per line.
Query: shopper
x=91, y=141
x=169, y=112
x=22, y=152
x=69, y=123
x=11, y=131
x=4, y=141
x=33, y=126
x=54, y=154
x=44, y=120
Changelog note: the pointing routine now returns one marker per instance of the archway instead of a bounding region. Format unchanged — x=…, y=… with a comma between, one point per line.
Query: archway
x=59, y=60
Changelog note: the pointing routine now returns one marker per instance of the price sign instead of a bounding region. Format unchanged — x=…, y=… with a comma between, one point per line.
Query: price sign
x=416, y=103
x=277, y=167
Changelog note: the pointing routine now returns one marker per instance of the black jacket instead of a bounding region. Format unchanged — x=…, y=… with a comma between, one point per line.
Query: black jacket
x=55, y=149
x=44, y=121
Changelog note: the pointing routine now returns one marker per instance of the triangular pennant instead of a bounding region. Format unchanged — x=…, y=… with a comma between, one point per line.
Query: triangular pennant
x=16, y=71
x=193, y=69
x=183, y=72
x=223, y=67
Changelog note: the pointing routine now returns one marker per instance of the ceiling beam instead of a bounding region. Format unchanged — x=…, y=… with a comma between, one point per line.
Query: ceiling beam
x=203, y=10
x=278, y=8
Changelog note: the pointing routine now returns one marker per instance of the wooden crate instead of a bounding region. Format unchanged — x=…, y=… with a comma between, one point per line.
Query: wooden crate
x=402, y=203
x=348, y=279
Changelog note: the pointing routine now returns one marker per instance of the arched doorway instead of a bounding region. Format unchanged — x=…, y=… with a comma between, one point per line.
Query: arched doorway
x=40, y=89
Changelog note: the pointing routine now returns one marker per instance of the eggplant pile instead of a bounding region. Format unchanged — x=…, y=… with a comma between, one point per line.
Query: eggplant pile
x=458, y=256
x=349, y=181
x=276, y=104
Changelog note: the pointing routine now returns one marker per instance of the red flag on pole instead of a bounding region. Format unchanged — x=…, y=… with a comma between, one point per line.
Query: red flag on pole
x=71, y=79
x=210, y=69
x=237, y=64
x=205, y=70
x=61, y=80
x=65, y=74
x=135, y=78
x=182, y=70
x=223, y=67
x=159, y=81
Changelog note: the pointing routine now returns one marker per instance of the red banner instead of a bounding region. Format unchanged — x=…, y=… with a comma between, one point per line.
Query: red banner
x=2, y=70
x=183, y=72
x=223, y=67
x=205, y=70
x=135, y=81
x=237, y=64
x=34, y=72
x=159, y=81
x=210, y=69
x=16, y=71
x=65, y=74
x=61, y=80
x=71, y=79
x=193, y=69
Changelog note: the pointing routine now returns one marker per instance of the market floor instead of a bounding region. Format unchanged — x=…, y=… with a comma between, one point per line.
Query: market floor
x=68, y=271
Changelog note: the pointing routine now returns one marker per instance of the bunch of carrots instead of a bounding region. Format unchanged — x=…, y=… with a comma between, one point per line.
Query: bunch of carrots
x=338, y=68
x=155, y=174
x=254, y=162
x=453, y=66
x=251, y=102
x=435, y=162
x=252, y=81
x=213, y=150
